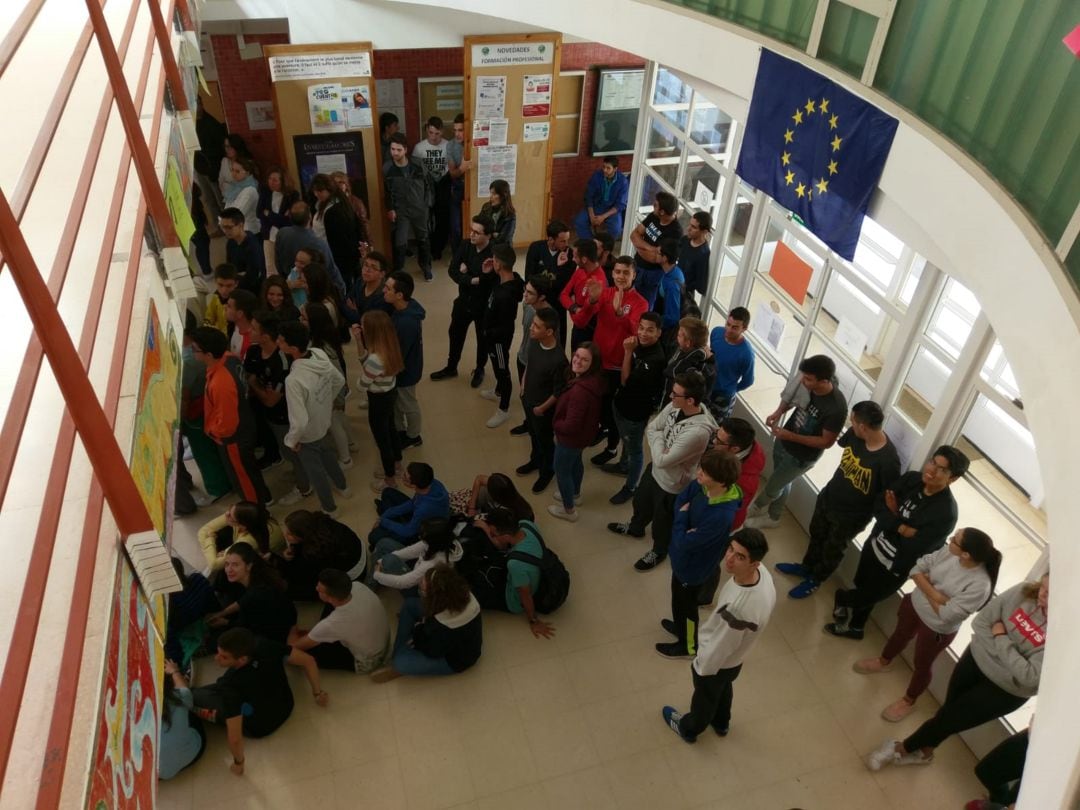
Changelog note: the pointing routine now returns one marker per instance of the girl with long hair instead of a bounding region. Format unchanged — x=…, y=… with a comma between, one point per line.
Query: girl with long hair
x=235, y=149
x=321, y=290
x=243, y=522
x=276, y=297
x=436, y=545
x=439, y=634
x=500, y=207
x=577, y=417
x=263, y=606
x=325, y=336
x=243, y=193
x=379, y=351
x=317, y=541
x=333, y=220
x=496, y=490
x=950, y=584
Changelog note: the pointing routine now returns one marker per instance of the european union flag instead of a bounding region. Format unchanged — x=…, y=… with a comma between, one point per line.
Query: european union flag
x=815, y=148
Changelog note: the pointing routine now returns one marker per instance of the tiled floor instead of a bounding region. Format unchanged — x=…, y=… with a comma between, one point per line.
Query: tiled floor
x=574, y=721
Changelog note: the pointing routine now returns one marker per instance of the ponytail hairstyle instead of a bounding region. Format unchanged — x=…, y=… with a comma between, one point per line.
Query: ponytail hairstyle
x=438, y=534
x=502, y=490
x=980, y=548
x=255, y=520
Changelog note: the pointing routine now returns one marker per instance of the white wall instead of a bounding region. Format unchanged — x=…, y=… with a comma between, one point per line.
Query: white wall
x=931, y=195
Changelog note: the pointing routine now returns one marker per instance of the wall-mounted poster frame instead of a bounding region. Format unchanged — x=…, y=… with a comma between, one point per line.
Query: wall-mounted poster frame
x=615, y=117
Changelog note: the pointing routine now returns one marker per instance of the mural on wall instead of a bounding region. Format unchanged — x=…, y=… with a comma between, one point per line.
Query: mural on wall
x=156, y=421
x=124, y=766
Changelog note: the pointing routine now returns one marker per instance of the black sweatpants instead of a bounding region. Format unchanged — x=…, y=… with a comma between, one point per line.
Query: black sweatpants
x=1001, y=770
x=542, y=435
x=461, y=318
x=612, y=380
x=830, y=533
x=653, y=505
x=499, y=354
x=711, y=703
x=971, y=700
x=873, y=582
x=381, y=422
x=684, y=612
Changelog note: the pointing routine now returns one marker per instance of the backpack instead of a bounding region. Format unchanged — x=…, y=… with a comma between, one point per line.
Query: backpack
x=554, y=584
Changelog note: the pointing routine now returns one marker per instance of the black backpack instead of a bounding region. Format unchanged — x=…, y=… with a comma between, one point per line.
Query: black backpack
x=554, y=584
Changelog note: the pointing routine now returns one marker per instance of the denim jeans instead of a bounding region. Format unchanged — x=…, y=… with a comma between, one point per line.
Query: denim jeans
x=409, y=661
x=322, y=468
x=569, y=472
x=633, y=455
x=786, y=468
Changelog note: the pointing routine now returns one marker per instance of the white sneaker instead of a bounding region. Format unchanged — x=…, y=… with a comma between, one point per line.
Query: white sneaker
x=762, y=522
x=346, y=464
x=914, y=758
x=363, y=403
x=490, y=394
x=884, y=755
x=557, y=497
x=556, y=510
x=756, y=510
x=294, y=496
x=499, y=418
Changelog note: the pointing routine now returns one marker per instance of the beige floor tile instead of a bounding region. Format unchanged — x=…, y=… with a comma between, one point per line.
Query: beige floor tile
x=560, y=743
x=437, y=776
x=643, y=781
x=499, y=758
x=586, y=789
x=705, y=771
x=375, y=783
x=529, y=797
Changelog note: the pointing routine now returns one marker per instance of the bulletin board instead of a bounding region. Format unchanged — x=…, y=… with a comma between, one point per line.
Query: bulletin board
x=444, y=97
x=504, y=72
x=618, y=101
x=298, y=76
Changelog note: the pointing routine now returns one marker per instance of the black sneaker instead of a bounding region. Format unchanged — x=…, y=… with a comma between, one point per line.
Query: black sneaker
x=844, y=631
x=625, y=529
x=673, y=649
x=614, y=468
x=411, y=441
x=477, y=378
x=649, y=561
x=526, y=468
x=603, y=457
x=601, y=436
x=669, y=626
x=266, y=463
x=721, y=731
x=520, y=430
x=622, y=496
x=444, y=373
x=542, y=482
x=428, y=276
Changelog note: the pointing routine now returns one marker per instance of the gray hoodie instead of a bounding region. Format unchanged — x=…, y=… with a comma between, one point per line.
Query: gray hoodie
x=676, y=446
x=310, y=388
x=1012, y=661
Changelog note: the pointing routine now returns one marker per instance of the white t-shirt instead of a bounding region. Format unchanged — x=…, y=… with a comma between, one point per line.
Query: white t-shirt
x=360, y=624
x=433, y=157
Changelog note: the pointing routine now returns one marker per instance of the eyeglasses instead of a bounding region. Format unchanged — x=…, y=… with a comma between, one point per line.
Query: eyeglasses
x=677, y=396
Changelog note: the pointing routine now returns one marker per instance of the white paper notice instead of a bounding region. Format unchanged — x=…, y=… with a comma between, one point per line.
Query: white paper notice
x=324, y=106
x=328, y=164
x=260, y=114
x=480, y=129
x=356, y=106
x=497, y=131
x=536, y=132
x=850, y=338
x=768, y=325
x=319, y=66
x=703, y=196
x=490, y=97
x=512, y=53
x=536, y=95
x=496, y=163
x=391, y=92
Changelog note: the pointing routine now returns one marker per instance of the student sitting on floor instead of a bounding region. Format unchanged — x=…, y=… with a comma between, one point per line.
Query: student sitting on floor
x=353, y=633
x=400, y=516
x=437, y=545
x=317, y=541
x=438, y=634
x=243, y=522
x=262, y=606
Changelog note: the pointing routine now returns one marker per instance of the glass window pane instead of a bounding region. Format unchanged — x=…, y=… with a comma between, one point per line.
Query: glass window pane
x=740, y=222
x=775, y=233
x=678, y=118
x=649, y=187
x=725, y=283
x=866, y=333
x=1002, y=453
x=922, y=388
x=664, y=149
x=911, y=281
x=701, y=185
x=711, y=127
x=998, y=373
x=950, y=324
x=670, y=89
x=846, y=37
x=781, y=331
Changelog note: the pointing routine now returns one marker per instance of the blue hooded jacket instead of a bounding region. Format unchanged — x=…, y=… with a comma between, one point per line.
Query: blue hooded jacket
x=435, y=503
x=699, y=537
x=410, y=331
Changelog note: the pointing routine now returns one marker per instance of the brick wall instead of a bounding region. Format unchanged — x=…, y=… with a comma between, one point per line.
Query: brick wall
x=413, y=64
x=243, y=80
x=570, y=174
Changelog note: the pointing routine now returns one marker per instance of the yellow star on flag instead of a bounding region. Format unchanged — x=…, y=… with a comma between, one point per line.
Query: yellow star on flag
x=824, y=106
x=822, y=185
x=785, y=158
x=800, y=190
x=797, y=117
x=789, y=136
x=833, y=121
x=809, y=106
x=836, y=143
x=833, y=168
x=790, y=177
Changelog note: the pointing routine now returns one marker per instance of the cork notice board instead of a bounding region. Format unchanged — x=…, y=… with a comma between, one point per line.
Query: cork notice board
x=504, y=68
x=296, y=68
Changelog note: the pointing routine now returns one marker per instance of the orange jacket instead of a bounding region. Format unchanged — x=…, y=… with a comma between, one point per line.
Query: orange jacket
x=221, y=401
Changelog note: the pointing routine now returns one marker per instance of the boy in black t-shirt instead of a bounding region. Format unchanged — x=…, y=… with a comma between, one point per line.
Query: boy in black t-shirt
x=657, y=227
x=868, y=468
x=809, y=431
x=265, y=369
x=545, y=375
x=642, y=383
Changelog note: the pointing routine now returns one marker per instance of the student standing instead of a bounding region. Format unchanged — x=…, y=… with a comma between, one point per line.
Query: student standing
x=407, y=317
x=552, y=254
x=409, y=193
x=574, y=297
x=733, y=357
x=265, y=369
x=498, y=328
x=660, y=225
x=380, y=356
x=243, y=250
x=535, y=297
x=577, y=413
x=545, y=373
x=694, y=253
x=500, y=207
x=433, y=153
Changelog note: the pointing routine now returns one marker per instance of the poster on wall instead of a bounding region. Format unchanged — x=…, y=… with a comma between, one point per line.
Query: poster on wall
x=179, y=212
x=497, y=131
x=536, y=132
x=319, y=66
x=324, y=107
x=260, y=115
x=356, y=106
x=536, y=95
x=496, y=163
x=493, y=54
x=322, y=154
x=490, y=97
x=480, y=129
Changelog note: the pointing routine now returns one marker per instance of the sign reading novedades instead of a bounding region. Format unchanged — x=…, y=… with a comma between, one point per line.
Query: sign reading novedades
x=319, y=66
x=513, y=53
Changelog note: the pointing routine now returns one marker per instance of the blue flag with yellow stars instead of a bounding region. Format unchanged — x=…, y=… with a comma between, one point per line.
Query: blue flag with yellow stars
x=815, y=148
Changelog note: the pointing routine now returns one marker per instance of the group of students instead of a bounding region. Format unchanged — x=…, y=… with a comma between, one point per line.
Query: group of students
x=637, y=343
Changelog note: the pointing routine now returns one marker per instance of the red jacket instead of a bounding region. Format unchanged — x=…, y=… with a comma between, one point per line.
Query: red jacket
x=576, y=291
x=223, y=405
x=577, y=412
x=612, y=327
x=749, y=481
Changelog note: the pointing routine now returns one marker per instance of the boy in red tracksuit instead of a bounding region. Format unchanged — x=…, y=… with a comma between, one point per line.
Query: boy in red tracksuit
x=227, y=417
x=575, y=295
